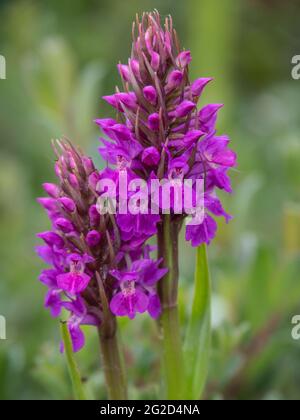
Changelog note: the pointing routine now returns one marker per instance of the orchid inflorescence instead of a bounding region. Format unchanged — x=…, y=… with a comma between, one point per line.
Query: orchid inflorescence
x=101, y=263
x=91, y=261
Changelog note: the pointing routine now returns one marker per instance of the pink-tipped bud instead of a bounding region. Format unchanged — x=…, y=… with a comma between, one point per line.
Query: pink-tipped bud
x=94, y=215
x=67, y=204
x=51, y=239
x=174, y=79
x=199, y=84
x=113, y=101
x=155, y=60
x=184, y=108
x=51, y=189
x=135, y=67
x=57, y=170
x=150, y=94
x=93, y=238
x=153, y=121
x=48, y=203
x=151, y=156
x=64, y=225
x=73, y=181
x=88, y=164
x=128, y=99
x=94, y=178
x=121, y=132
x=183, y=59
x=124, y=72
x=207, y=112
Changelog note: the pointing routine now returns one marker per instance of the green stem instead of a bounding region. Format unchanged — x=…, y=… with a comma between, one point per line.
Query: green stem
x=168, y=290
x=112, y=362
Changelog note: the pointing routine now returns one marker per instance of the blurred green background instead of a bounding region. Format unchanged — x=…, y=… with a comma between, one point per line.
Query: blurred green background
x=61, y=58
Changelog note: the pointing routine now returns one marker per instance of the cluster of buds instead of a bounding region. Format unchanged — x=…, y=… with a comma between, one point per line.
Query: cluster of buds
x=159, y=132
x=92, y=267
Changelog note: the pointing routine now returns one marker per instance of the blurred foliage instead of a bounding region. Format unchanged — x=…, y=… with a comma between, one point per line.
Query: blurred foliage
x=60, y=61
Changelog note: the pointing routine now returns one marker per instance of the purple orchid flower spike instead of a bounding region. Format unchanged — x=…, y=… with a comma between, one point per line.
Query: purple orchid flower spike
x=84, y=245
x=158, y=111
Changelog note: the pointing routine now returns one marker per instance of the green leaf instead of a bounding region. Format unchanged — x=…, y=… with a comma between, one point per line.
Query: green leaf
x=197, y=342
x=78, y=390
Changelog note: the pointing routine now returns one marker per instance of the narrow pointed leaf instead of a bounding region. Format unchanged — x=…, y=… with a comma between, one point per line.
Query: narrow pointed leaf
x=197, y=342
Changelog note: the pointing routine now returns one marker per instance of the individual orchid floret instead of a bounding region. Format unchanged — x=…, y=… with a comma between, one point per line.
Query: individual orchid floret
x=76, y=280
x=137, y=289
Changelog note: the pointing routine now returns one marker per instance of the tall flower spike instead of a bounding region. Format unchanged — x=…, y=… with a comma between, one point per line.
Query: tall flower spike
x=84, y=246
x=74, y=261
x=158, y=112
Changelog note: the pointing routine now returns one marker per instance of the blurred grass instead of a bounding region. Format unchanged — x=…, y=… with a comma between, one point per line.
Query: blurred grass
x=60, y=61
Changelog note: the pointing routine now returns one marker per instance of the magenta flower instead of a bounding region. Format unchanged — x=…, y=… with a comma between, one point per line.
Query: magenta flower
x=79, y=316
x=129, y=301
x=137, y=289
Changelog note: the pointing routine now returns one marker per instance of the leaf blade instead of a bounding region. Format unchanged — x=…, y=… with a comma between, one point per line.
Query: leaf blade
x=197, y=342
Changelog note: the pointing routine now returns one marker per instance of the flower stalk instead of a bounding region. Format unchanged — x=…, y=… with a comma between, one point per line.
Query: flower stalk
x=173, y=366
x=112, y=363
x=110, y=349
